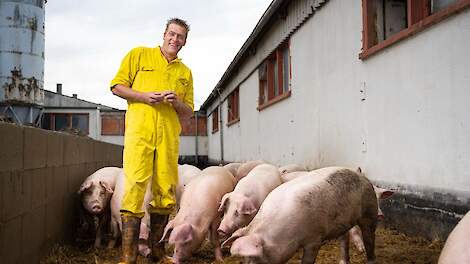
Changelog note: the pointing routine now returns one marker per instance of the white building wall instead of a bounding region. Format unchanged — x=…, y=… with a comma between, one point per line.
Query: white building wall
x=117, y=140
x=414, y=119
x=188, y=146
x=412, y=128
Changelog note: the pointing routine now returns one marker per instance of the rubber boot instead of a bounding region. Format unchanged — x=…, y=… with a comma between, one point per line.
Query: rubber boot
x=157, y=225
x=130, y=237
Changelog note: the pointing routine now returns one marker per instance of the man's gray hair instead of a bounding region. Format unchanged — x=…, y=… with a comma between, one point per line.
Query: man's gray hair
x=179, y=22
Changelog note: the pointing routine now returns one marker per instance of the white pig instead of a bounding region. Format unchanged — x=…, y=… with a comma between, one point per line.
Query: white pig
x=291, y=168
x=285, y=177
x=246, y=167
x=198, y=213
x=233, y=167
x=355, y=233
x=457, y=247
x=95, y=194
x=305, y=212
x=186, y=173
x=242, y=204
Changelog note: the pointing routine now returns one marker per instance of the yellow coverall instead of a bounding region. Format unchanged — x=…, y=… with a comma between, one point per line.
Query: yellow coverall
x=151, y=138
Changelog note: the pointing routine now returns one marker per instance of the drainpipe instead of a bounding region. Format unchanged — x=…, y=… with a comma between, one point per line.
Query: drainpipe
x=221, y=129
x=196, y=140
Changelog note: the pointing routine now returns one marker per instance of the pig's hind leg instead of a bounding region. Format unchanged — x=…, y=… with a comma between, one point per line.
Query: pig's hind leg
x=310, y=253
x=344, y=248
x=368, y=226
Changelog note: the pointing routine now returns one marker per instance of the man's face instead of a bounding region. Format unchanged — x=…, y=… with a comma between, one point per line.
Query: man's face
x=174, y=39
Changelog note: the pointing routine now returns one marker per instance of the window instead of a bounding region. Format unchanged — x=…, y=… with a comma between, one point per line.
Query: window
x=233, y=107
x=215, y=120
x=274, y=77
x=386, y=22
x=77, y=123
x=112, y=125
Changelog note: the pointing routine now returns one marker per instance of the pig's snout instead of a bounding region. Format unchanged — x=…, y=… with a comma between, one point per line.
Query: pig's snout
x=96, y=208
x=380, y=217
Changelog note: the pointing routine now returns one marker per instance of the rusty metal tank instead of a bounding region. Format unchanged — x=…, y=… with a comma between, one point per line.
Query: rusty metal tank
x=21, y=58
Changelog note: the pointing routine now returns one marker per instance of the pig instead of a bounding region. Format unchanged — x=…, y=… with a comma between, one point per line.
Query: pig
x=186, y=173
x=456, y=249
x=355, y=233
x=242, y=204
x=305, y=212
x=116, y=224
x=198, y=215
x=246, y=167
x=291, y=168
x=285, y=177
x=233, y=167
x=95, y=194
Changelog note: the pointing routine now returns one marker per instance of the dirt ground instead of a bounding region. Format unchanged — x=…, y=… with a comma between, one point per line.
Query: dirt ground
x=392, y=247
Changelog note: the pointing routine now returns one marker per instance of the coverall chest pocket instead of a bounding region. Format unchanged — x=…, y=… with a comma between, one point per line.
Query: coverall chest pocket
x=147, y=79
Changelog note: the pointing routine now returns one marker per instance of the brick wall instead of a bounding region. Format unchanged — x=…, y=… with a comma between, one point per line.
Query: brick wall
x=188, y=126
x=40, y=173
x=112, y=123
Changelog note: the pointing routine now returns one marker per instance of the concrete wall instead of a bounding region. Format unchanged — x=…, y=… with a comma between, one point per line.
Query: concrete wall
x=40, y=173
x=409, y=130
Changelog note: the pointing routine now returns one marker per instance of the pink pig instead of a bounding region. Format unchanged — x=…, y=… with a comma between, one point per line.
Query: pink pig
x=242, y=204
x=96, y=193
x=354, y=233
x=246, y=167
x=305, y=212
x=291, y=168
x=186, y=173
x=198, y=215
x=456, y=249
x=233, y=167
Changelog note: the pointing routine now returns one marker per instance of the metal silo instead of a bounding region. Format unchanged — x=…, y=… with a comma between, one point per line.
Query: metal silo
x=22, y=60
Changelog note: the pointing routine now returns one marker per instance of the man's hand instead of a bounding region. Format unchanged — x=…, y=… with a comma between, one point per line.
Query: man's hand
x=152, y=97
x=181, y=108
x=171, y=97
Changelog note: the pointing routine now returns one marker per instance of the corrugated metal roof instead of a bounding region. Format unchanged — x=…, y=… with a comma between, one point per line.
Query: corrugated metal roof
x=299, y=11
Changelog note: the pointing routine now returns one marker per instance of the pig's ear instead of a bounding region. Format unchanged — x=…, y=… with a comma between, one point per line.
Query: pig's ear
x=384, y=193
x=106, y=187
x=247, y=207
x=166, y=232
x=85, y=186
x=225, y=199
x=182, y=234
x=248, y=246
x=359, y=170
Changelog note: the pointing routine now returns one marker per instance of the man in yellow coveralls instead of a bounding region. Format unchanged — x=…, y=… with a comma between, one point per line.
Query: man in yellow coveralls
x=158, y=88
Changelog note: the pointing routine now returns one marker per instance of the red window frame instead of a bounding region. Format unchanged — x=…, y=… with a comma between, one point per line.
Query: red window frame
x=215, y=120
x=418, y=17
x=272, y=86
x=233, y=107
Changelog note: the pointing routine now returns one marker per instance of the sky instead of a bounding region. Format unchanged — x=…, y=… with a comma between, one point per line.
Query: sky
x=86, y=40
